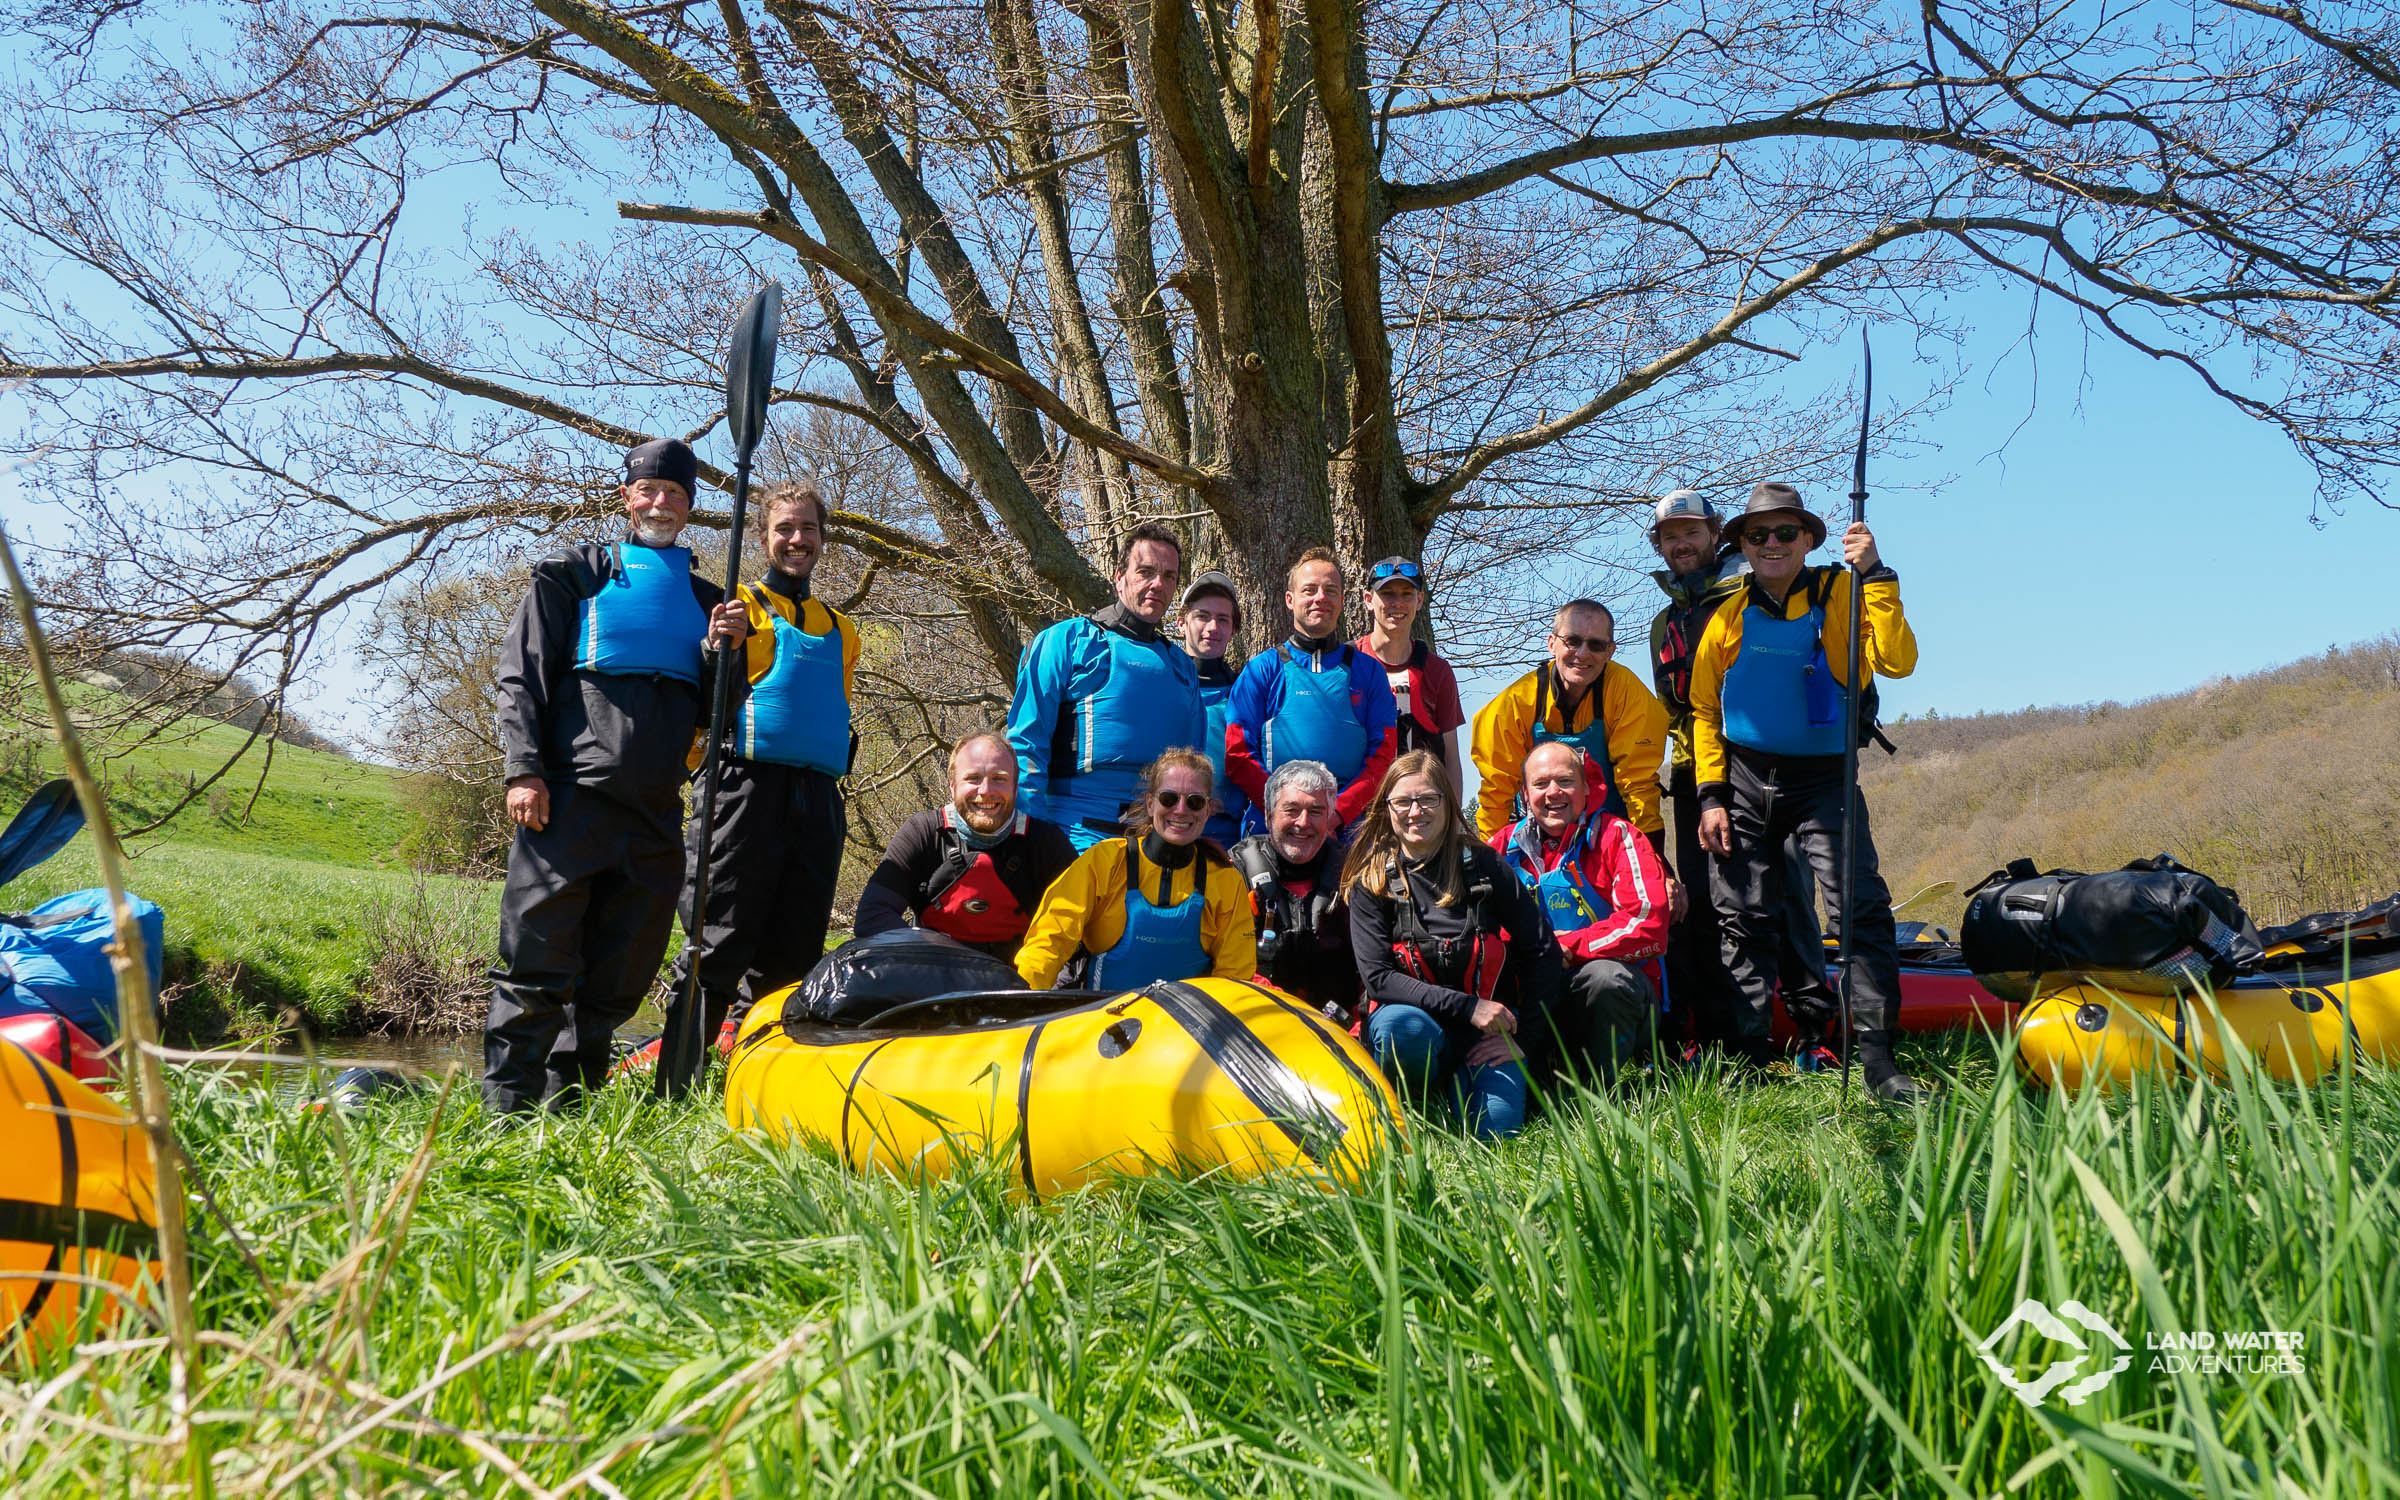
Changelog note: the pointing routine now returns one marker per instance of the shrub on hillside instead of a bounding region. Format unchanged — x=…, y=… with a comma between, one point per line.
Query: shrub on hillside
x=429, y=943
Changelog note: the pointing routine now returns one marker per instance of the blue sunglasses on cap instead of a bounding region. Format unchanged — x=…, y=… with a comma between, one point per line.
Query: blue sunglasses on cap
x=1385, y=572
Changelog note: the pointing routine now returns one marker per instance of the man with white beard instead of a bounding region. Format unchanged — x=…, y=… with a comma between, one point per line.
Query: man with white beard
x=603, y=680
x=973, y=869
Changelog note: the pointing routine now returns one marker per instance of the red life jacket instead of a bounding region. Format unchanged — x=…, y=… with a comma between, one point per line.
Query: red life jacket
x=966, y=898
x=1472, y=962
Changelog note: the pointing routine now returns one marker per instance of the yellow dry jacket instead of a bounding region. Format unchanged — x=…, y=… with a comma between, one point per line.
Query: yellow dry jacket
x=811, y=615
x=1085, y=909
x=1890, y=648
x=1632, y=718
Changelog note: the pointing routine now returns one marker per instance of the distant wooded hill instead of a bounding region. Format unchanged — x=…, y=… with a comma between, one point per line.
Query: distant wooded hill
x=2284, y=784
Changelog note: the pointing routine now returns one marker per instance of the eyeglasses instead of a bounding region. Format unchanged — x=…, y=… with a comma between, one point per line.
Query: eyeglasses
x=1429, y=802
x=1196, y=801
x=1385, y=572
x=1757, y=536
x=1598, y=645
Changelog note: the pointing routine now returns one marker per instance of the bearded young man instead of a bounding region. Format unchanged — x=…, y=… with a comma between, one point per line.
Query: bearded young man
x=974, y=869
x=776, y=848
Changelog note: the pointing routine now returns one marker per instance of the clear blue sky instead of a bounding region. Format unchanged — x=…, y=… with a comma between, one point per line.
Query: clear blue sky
x=2083, y=523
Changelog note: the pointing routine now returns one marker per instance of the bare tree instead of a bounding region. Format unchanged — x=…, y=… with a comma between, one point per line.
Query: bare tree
x=1408, y=275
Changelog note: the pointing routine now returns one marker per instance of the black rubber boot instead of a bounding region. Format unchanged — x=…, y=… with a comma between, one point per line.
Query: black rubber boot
x=1883, y=1077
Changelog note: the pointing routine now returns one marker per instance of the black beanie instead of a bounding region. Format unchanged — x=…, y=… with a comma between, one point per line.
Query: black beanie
x=665, y=458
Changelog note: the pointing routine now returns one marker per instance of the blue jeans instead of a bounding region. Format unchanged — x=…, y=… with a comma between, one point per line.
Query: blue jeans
x=1420, y=1053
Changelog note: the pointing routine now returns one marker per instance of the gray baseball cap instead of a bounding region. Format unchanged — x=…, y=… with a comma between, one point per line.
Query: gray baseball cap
x=1681, y=505
x=1212, y=582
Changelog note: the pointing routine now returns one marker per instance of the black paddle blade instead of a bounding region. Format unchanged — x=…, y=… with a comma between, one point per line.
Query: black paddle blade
x=41, y=828
x=750, y=368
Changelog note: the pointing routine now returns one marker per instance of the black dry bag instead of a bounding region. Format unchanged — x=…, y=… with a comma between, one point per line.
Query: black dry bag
x=2153, y=926
x=867, y=976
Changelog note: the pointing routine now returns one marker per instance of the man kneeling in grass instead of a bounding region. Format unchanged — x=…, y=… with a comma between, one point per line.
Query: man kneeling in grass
x=1604, y=889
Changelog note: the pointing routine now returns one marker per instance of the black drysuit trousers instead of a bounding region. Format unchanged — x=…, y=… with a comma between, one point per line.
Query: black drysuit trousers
x=772, y=864
x=584, y=920
x=1799, y=798
x=1698, y=983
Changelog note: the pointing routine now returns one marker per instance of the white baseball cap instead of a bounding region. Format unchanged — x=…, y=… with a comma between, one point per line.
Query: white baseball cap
x=1681, y=505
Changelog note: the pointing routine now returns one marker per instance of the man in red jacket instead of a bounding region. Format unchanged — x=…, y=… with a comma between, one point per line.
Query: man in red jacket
x=1605, y=891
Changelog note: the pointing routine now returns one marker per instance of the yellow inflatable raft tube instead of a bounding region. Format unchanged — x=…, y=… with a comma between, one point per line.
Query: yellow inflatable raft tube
x=77, y=1200
x=2294, y=1019
x=1203, y=1076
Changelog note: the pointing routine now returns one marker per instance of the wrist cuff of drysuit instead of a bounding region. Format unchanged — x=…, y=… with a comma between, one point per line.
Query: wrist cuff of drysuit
x=1880, y=573
x=1715, y=794
x=518, y=770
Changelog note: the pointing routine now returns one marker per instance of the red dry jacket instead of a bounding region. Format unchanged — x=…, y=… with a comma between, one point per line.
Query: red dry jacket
x=1621, y=868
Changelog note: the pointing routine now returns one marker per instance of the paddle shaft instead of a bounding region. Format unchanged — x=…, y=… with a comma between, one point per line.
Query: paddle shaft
x=680, y=1052
x=1853, y=706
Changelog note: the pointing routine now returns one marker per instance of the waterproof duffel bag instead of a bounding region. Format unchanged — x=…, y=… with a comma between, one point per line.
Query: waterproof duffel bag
x=2153, y=927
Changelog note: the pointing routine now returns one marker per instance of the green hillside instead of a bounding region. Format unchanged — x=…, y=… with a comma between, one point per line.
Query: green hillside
x=298, y=903
x=2282, y=784
x=314, y=805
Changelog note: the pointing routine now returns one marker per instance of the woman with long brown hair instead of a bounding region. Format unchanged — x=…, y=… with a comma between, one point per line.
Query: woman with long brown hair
x=1160, y=903
x=1453, y=952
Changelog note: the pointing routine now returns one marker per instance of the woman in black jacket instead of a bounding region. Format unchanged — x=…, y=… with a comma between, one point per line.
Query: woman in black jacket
x=1453, y=952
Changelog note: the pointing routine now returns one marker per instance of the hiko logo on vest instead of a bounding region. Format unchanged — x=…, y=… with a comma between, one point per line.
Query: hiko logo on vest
x=644, y=621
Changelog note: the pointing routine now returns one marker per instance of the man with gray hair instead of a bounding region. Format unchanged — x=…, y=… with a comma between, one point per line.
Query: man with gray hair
x=1294, y=871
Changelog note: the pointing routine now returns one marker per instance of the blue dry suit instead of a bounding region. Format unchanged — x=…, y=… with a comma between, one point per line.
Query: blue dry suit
x=1098, y=698
x=798, y=714
x=1780, y=695
x=1216, y=691
x=1314, y=700
x=1160, y=942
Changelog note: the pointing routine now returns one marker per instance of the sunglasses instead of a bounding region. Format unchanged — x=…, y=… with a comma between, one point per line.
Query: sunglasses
x=1385, y=572
x=1196, y=801
x=1599, y=645
x=1757, y=536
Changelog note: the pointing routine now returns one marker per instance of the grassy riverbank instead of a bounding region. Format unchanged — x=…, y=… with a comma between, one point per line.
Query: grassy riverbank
x=1689, y=1290
x=256, y=940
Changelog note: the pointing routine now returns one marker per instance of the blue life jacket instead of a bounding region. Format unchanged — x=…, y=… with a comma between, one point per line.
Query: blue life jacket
x=1569, y=899
x=1780, y=696
x=1225, y=824
x=1591, y=739
x=644, y=622
x=1317, y=720
x=1109, y=736
x=1160, y=942
x=798, y=714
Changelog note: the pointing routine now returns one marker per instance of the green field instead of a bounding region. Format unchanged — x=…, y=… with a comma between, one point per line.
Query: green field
x=1682, y=1291
x=255, y=938
x=289, y=908
x=313, y=806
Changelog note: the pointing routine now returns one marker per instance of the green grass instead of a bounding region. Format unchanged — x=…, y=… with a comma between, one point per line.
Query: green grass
x=253, y=935
x=314, y=806
x=1686, y=1291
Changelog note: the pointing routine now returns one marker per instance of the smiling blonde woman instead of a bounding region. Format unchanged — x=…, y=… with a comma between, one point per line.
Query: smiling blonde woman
x=1159, y=903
